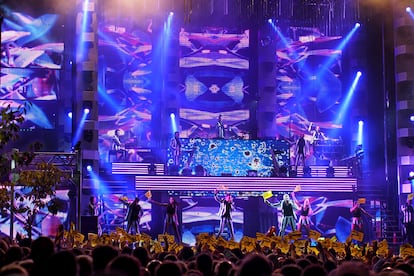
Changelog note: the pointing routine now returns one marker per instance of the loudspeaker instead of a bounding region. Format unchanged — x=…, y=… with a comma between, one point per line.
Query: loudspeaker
x=89, y=224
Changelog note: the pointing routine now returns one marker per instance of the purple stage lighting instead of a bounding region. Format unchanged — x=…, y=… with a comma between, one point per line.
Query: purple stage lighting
x=86, y=111
x=172, y=115
x=411, y=174
x=410, y=12
x=359, y=73
x=412, y=118
x=357, y=25
x=70, y=115
x=89, y=168
x=269, y=20
x=171, y=13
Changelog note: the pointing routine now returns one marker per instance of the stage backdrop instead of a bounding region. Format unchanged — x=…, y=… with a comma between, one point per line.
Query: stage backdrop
x=125, y=89
x=214, y=65
x=233, y=156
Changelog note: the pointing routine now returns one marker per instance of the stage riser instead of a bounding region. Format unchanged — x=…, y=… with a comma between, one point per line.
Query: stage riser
x=142, y=169
x=136, y=168
x=245, y=184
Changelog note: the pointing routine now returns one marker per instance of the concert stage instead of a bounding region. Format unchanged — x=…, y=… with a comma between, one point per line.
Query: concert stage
x=330, y=197
x=316, y=182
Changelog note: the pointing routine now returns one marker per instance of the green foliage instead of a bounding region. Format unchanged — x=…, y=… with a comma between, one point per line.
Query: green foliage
x=11, y=118
x=40, y=182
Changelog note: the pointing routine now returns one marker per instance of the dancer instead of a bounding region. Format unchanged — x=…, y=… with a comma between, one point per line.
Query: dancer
x=226, y=208
x=305, y=213
x=357, y=211
x=171, y=217
x=134, y=215
x=288, y=210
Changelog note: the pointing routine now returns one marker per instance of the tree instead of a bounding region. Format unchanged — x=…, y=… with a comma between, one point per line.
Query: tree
x=11, y=119
x=40, y=185
x=39, y=181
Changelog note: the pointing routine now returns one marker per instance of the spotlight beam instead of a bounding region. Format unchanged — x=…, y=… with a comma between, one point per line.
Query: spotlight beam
x=339, y=49
x=348, y=97
x=360, y=132
x=79, y=129
x=287, y=46
x=410, y=12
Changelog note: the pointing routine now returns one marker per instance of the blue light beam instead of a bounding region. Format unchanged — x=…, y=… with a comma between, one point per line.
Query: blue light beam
x=338, y=49
x=360, y=135
x=346, y=102
x=79, y=129
x=174, y=127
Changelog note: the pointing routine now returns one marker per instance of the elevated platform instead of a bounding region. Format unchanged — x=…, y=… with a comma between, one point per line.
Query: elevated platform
x=245, y=184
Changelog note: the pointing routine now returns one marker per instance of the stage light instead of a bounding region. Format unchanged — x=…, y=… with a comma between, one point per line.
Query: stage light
x=172, y=115
x=269, y=20
x=412, y=118
x=360, y=134
x=152, y=169
x=330, y=171
x=307, y=171
x=86, y=110
x=357, y=25
x=70, y=115
x=89, y=168
x=359, y=74
x=411, y=174
x=410, y=12
x=171, y=13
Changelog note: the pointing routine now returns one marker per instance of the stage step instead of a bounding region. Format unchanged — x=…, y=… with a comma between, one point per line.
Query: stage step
x=245, y=184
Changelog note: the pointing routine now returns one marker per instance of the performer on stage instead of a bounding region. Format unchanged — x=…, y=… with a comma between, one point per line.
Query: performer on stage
x=94, y=210
x=305, y=213
x=408, y=222
x=226, y=208
x=175, y=146
x=93, y=206
x=300, y=151
x=133, y=216
x=220, y=128
x=288, y=209
x=318, y=135
x=117, y=145
x=357, y=211
x=171, y=217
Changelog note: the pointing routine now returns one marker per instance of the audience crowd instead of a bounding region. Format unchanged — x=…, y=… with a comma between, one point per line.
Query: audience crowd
x=43, y=257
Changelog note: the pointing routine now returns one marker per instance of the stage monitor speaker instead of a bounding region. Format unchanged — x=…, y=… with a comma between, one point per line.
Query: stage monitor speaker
x=89, y=224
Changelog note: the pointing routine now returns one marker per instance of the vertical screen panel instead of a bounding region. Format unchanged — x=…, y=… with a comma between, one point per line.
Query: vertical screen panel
x=214, y=67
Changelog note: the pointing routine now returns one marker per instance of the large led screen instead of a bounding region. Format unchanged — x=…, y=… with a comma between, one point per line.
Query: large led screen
x=125, y=94
x=31, y=58
x=308, y=81
x=214, y=65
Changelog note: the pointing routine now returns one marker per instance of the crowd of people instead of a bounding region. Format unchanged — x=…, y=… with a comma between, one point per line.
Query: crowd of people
x=43, y=257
